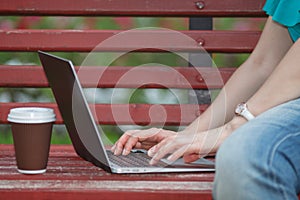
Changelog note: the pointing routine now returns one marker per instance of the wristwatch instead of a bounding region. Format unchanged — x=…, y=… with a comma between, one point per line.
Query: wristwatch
x=242, y=110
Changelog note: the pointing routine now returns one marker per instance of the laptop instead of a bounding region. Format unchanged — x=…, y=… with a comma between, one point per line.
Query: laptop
x=84, y=133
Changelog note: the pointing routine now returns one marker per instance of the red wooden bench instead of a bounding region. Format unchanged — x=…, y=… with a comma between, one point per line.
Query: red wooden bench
x=68, y=176
x=84, y=41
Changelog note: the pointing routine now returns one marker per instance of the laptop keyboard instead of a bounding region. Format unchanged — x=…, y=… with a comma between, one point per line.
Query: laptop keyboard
x=133, y=160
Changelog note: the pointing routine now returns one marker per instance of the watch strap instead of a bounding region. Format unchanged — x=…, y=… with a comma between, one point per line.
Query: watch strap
x=247, y=114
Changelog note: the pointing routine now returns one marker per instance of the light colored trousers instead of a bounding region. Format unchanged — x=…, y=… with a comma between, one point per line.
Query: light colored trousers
x=261, y=159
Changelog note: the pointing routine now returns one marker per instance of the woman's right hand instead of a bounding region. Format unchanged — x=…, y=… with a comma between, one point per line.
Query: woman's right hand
x=140, y=139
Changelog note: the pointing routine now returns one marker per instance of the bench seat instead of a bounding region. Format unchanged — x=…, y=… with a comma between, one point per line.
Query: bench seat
x=70, y=177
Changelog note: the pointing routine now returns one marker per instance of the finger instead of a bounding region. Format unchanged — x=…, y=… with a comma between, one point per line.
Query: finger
x=119, y=145
x=160, y=150
x=132, y=138
x=177, y=154
x=153, y=150
x=144, y=145
x=187, y=146
x=131, y=142
x=191, y=157
x=139, y=138
x=151, y=134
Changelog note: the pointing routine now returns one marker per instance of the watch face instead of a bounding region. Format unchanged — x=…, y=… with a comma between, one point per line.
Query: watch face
x=240, y=108
x=243, y=111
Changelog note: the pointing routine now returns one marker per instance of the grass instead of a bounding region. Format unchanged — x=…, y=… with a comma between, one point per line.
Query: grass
x=55, y=139
x=58, y=137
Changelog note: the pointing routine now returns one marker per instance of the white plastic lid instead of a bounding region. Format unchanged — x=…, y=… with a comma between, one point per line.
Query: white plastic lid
x=31, y=115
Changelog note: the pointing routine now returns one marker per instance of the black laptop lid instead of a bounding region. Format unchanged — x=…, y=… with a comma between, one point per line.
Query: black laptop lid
x=74, y=109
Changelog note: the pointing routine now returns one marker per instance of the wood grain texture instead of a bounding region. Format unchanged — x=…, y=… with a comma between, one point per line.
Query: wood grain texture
x=111, y=114
x=160, y=40
x=133, y=7
x=70, y=177
x=123, y=77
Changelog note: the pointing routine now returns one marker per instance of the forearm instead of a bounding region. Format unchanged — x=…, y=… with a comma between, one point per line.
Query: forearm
x=244, y=83
x=240, y=87
x=283, y=85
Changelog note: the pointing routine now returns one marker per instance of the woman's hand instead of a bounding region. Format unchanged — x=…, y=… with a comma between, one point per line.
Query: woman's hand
x=140, y=139
x=192, y=145
x=187, y=144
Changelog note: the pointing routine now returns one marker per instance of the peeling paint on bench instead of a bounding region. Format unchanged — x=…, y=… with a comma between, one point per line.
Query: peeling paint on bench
x=104, y=185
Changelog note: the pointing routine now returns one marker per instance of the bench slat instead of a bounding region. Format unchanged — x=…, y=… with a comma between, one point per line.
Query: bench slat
x=65, y=164
x=122, y=77
x=125, y=41
x=166, y=114
x=132, y=8
x=69, y=177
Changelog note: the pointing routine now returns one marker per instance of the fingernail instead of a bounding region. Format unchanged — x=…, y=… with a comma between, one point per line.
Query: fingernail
x=113, y=148
x=171, y=158
x=125, y=152
x=152, y=162
x=151, y=152
x=117, y=152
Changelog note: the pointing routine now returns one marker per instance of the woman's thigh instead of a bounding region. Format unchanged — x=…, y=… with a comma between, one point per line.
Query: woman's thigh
x=261, y=159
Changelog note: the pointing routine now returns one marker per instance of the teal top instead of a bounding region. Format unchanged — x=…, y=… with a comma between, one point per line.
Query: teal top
x=287, y=13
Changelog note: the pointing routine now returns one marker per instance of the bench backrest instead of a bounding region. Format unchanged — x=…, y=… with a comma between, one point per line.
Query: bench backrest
x=57, y=40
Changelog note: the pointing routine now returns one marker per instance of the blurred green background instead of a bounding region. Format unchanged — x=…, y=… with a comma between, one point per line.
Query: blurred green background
x=133, y=59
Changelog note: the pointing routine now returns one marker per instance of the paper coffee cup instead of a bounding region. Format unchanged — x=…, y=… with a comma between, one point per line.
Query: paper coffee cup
x=31, y=128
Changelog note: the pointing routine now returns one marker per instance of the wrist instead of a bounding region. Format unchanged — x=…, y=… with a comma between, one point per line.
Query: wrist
x=235, y=123
x=242, y=110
